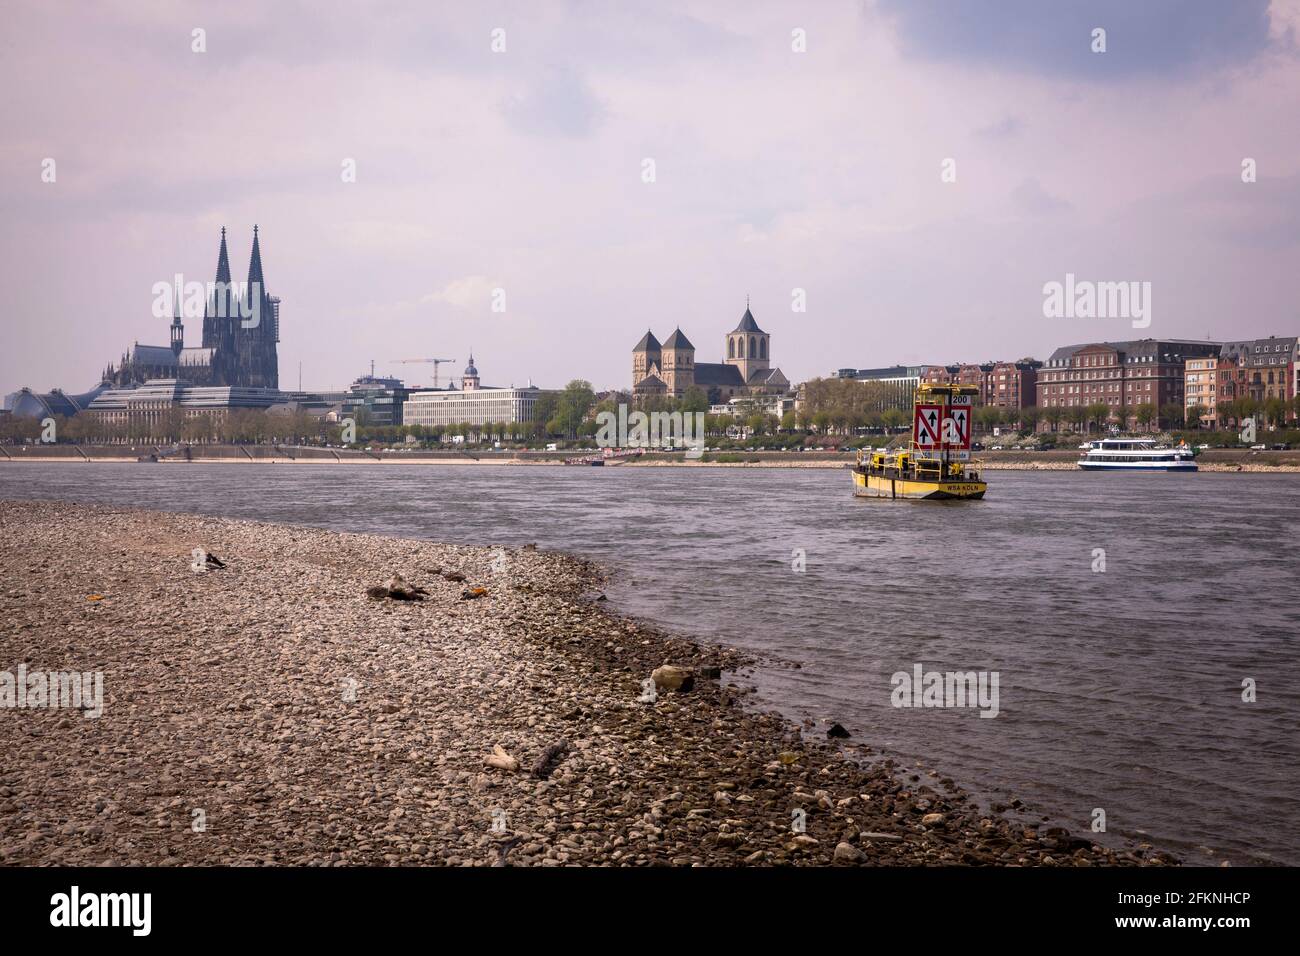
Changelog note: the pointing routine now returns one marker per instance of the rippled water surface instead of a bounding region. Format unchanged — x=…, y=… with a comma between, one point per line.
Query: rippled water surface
x=1119, y=689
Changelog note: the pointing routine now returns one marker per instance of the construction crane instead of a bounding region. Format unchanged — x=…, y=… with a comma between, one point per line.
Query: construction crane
x=425, y=361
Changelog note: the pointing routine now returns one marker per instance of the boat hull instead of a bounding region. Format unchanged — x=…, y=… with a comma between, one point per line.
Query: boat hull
x=879, y=486
x=1144, y=466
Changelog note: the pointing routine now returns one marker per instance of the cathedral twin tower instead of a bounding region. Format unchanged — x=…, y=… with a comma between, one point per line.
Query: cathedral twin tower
x=241, y=328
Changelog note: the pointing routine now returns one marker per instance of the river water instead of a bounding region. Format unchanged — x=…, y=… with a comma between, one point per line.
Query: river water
x=1119, y=689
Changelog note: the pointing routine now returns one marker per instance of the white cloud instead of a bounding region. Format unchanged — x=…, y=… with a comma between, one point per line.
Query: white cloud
x=468, y=292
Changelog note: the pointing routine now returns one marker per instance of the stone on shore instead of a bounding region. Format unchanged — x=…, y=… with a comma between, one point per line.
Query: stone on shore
x=673, y=678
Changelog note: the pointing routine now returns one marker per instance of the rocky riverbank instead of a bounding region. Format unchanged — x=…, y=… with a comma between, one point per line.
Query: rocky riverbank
x=289, y=708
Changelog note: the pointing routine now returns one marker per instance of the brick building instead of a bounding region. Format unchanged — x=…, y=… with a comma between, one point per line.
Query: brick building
x=1122, y=375
x=1000, y=384
x=1261, y=369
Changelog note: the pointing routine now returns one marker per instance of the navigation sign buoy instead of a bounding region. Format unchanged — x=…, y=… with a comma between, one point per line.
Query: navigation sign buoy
x=956, y=427
x=926, y=428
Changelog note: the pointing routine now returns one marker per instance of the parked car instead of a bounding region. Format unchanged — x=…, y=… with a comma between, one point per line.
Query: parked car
x=1259, y=448
x=1281, y=446
x=996, y=448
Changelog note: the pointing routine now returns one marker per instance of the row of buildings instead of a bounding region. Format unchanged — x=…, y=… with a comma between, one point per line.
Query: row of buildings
x=1198, y=377
x=236, y=367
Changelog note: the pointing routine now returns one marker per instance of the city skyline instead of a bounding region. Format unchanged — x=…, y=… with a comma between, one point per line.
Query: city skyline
x=775, y=170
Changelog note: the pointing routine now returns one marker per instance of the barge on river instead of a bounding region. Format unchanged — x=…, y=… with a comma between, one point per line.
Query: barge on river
x=937, y=464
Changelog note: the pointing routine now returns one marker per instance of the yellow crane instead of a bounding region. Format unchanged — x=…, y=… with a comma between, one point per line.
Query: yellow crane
x=435, y=362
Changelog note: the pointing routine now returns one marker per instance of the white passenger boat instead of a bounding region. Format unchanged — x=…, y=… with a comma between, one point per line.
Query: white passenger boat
x=1136, y=454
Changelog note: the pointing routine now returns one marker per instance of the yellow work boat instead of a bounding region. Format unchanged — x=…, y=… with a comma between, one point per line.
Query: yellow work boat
x=936, y=465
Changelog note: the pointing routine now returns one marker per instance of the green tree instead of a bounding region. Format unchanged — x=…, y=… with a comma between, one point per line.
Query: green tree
x=1274, y=411
x=1145, y=414
x=1054, y=414
x=575, y=402
x=545, y=411
x=1099, y=412
x=1077, y=415
x=694, y=400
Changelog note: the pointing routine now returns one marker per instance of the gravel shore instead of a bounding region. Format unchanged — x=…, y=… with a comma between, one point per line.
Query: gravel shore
x=272, y=712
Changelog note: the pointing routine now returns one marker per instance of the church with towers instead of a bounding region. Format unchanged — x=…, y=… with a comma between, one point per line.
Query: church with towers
x=670, y=369
x=241, y=328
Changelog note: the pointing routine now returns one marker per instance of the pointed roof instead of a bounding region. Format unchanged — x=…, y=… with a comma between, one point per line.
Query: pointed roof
x=470, y=369
x=648, y=343
x=255, y=263
x=747, y=323
x=678, y=341
x=223, y=260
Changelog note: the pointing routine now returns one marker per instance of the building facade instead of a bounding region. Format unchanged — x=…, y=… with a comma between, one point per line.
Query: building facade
x=900, y=382
x=670, y=369
x=1201, y=390
x=1264, y=368
x=375, y=400
x=1121, y=375
x=1011, y=385
x=149, y=410
x=471, y=404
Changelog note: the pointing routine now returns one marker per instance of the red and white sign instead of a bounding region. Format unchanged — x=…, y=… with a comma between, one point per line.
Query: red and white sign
x=927, y=427
x=956, y=427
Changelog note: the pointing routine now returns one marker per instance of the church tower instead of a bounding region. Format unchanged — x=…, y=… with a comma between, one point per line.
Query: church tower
x=259, y=361
x=469, y=381
x=748, y=346
x=645, y=358
x=678, y=368
x=215, y=321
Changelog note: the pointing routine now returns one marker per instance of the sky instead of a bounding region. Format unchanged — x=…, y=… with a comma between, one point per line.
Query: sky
x=504, y=146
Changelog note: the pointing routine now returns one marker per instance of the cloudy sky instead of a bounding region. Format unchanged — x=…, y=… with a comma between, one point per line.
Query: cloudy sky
x=523, y=170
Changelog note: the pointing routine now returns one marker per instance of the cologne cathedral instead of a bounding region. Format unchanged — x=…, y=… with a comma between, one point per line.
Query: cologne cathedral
x=240, y=332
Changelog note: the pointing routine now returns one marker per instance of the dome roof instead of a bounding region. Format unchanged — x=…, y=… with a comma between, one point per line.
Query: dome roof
x=470, y=369
x=28, y=404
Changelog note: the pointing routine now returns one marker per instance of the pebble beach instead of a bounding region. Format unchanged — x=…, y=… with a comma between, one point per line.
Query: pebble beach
x=324, y=699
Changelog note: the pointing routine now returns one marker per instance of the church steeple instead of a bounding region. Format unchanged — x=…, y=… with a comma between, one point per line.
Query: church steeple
x=223, y=260
x=178, y=330
x=221, y=305
x=255, y=263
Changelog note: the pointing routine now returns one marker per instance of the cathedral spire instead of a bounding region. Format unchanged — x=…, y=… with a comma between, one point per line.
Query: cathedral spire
x=223, y=260
x=255, y=263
